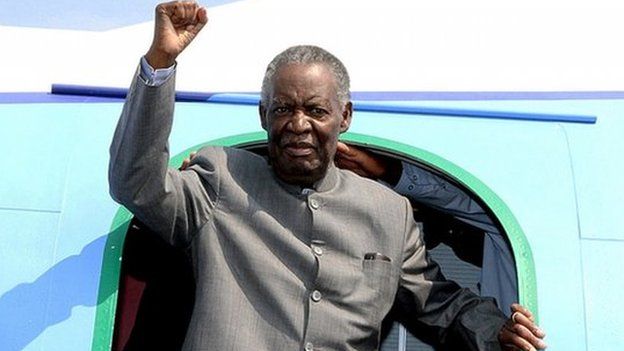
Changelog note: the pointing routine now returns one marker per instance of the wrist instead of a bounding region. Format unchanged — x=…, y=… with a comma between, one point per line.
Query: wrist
x=158, y=59
x=393, y=171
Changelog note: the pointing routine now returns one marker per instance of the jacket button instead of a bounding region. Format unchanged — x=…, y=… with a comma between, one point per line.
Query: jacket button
x=317, y=250
x=316, y=296
x=314, y=204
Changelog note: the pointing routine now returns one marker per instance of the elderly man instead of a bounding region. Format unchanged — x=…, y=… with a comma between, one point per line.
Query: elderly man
x=293, y=253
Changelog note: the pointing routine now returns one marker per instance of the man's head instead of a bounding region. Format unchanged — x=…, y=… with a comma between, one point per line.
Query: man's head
x=305, y=106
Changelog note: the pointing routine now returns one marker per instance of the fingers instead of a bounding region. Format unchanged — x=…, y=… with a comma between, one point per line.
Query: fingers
x=183, y=13
x=187, y=161
x=516, y=307
x=345, y=158
x=344, y=163
x=348, y=151
x=185, y=164
x=189, y=13
x=527, y=322
x=517, y=335
x=521, y=332
x=194, y=15
x=342, y=148
x=352, y=153
x=513, y=341
x=201, y=18
x=528, y=337
x=201, y=14
x=176, y=26
x=523, y=316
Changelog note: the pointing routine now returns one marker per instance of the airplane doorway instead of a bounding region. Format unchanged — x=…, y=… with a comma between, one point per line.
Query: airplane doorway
x=443, y=251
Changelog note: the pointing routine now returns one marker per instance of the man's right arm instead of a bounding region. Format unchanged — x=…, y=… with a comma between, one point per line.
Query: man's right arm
x=166, y=200
x=416, y=184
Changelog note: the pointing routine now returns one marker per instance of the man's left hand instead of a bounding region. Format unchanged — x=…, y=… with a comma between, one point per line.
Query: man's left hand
x=520, y=332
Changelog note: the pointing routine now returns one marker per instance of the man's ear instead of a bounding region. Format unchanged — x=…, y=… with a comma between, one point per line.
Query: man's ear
x=347, y=114
x=263, y=116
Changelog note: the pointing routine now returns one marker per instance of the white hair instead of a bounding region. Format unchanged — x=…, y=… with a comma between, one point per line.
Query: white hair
x=308, y=54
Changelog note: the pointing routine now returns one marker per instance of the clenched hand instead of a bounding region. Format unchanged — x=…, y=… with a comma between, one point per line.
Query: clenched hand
x=177, y=23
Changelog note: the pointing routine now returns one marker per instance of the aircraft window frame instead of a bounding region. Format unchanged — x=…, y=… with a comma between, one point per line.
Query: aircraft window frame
x=525, y=266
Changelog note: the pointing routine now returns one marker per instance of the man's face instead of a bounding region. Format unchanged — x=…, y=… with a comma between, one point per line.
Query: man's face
x=303, y=118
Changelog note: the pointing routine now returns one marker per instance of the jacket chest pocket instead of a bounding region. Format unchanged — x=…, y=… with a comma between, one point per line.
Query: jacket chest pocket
x=379, y=278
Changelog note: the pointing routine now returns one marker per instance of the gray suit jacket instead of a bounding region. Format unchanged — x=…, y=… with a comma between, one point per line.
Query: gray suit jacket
x=276, y=267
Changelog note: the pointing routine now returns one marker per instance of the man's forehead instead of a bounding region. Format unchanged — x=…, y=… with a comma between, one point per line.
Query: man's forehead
x=307, y=82
x=287, y=99
x=313, y=71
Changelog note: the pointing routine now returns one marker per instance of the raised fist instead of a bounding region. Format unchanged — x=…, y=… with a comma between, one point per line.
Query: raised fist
x=177, y=23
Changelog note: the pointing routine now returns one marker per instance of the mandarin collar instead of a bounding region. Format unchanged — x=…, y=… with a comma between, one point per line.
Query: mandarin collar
x=322, y=185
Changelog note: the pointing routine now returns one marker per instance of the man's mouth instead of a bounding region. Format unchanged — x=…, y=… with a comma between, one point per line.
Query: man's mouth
x=298, y=149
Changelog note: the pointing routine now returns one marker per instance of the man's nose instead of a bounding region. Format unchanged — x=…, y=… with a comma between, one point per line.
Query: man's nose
x=299, y=122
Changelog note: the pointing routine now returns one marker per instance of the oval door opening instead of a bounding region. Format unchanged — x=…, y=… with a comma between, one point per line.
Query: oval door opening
x=156, y=288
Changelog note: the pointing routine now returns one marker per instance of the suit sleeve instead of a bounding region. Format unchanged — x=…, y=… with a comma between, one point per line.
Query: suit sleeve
x=432, y=190
x=174, y=204
x=452, y=317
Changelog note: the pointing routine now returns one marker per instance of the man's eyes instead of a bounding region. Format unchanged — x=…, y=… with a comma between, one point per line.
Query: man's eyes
x=311, y=111
x=280, y=110
x=317, y=111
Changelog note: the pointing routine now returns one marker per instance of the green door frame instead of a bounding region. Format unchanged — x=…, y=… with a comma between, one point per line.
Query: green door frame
x=111, y=261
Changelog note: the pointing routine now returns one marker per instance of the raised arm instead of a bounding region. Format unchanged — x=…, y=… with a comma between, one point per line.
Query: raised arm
x=170, y=202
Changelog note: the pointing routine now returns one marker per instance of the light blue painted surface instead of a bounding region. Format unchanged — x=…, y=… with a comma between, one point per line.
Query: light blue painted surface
x=27, y=245
x=32, y=142
x=599, y=170
x=198, y=123
x=84, y=224
x=72, y=334
x=603, y=267
x=50, y=262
